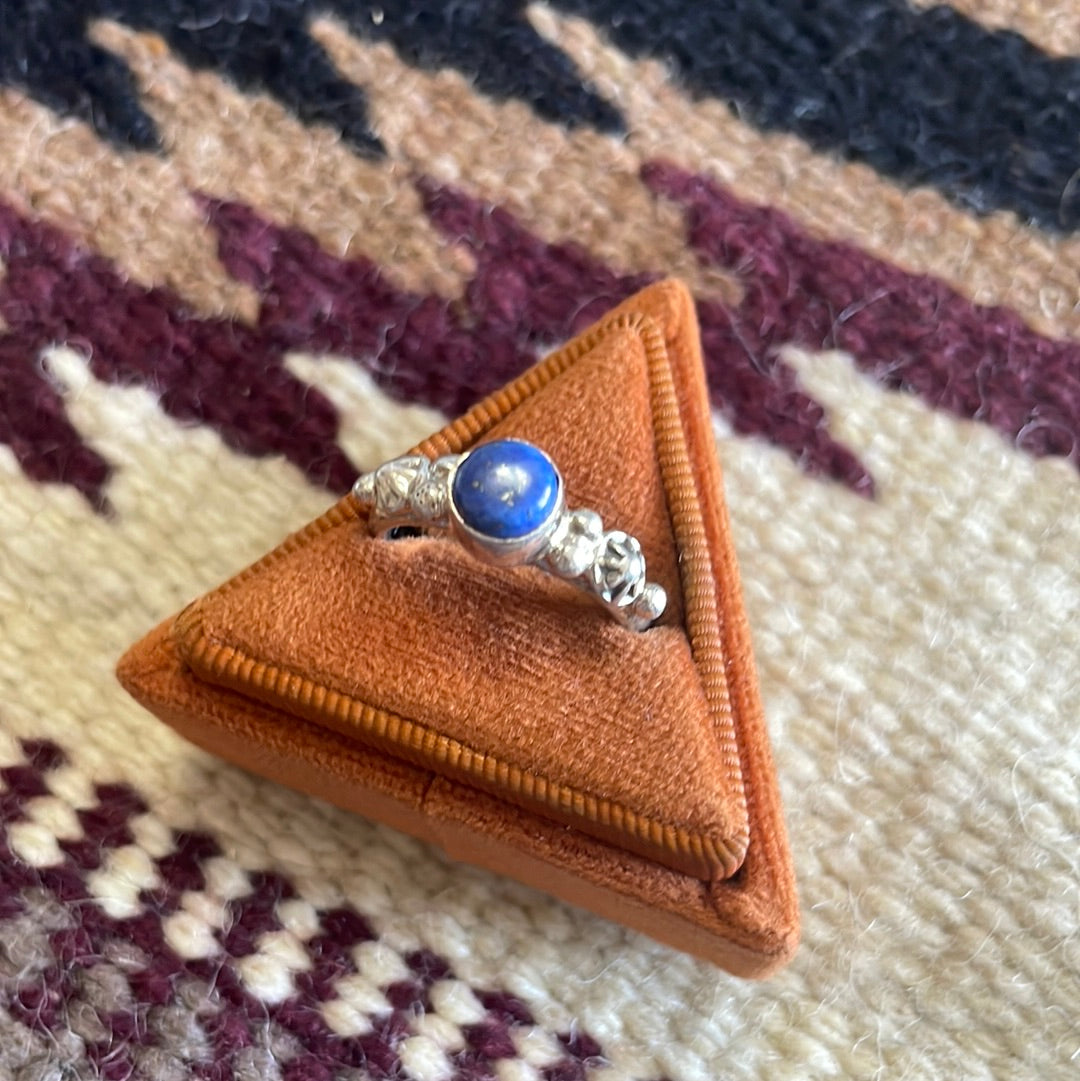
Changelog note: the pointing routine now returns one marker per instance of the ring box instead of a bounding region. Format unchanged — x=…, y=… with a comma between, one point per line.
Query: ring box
x=500, y=713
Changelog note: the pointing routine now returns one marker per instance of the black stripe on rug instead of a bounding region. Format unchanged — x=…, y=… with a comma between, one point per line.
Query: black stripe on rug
x=925, y=97
x=266, y=46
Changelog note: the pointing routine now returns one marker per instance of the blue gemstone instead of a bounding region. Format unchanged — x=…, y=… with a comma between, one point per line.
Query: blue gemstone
x=506, y=489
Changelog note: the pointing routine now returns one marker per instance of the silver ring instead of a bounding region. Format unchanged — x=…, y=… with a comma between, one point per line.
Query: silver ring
x=504, y=502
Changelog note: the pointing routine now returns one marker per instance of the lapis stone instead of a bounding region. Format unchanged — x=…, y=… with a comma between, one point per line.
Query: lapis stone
x=506, y=489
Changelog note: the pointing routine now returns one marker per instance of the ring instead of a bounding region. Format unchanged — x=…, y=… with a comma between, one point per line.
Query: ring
x=504, y=502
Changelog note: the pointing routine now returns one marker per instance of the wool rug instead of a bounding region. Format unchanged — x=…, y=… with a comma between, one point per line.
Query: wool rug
x=251, y=247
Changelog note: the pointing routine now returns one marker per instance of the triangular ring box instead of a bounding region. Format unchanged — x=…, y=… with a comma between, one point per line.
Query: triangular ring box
x=501, y=713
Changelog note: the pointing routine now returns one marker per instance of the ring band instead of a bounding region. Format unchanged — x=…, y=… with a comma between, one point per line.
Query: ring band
x=504, y=502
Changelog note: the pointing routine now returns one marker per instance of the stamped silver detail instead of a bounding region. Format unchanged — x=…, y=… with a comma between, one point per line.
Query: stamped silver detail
x=429, y=495
x=619, y=571
x=393, y=480
x=364, y=489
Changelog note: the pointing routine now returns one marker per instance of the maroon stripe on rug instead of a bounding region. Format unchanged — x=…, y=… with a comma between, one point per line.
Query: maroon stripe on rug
x=526, y=296
x=419, y=348
x=910, y=332
x=216, y=372
x=550, y=292
x=33, y=422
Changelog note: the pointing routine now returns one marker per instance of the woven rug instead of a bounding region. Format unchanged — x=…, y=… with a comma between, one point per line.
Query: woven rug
x=248, y=248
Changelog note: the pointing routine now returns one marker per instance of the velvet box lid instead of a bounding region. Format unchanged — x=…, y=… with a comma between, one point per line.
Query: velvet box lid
x=498, y=712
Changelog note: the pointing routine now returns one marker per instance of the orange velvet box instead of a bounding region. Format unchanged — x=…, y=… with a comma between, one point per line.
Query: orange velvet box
x=501, y=713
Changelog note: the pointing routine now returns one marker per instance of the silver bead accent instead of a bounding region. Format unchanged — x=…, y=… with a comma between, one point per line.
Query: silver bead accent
x=651, y=604
x=572, y=548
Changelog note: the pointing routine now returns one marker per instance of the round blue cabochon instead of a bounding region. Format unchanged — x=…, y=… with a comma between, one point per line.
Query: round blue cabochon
x=506, y=489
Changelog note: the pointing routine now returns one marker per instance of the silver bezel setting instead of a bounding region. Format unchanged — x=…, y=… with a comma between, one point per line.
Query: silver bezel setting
x=505, y=551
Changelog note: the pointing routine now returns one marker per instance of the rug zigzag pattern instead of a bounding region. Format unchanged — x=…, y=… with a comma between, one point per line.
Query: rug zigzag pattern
x=282, y=240
x=110, y=985
x=912, y=333
x=985, y=116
